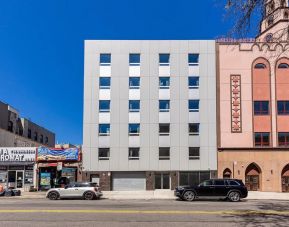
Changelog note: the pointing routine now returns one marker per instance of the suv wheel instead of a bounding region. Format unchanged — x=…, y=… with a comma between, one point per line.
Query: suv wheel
x=53, y=195
x=189, y=196
x=234, y=196
x=88, y=196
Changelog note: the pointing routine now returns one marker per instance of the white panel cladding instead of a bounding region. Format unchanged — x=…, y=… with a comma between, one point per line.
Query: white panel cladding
x=134, y=71
x=104, y=141
x=194, y=93
x=104, y=94
x=164, y=117
x=134, y=94
x=194, y=70
x=194, y=117
x=164, y=94
x=104, y=118
x=164, y=141
x=164, y=70
x=134, y=141
x=134, y=117
x=105, y=71
x=194, y=141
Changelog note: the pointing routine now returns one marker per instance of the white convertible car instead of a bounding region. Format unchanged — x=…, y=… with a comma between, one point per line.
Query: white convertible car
x=84, y=190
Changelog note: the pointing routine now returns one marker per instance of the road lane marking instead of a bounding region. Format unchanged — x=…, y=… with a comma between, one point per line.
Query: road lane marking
x=164, y=212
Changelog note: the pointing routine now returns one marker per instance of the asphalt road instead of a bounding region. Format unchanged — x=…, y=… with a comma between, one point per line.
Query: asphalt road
x=127, y=213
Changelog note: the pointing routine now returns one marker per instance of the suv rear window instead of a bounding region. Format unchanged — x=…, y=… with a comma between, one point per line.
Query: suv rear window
x=233, y=183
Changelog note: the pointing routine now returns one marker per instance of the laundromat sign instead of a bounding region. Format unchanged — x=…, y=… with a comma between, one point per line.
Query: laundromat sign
x=17, y=154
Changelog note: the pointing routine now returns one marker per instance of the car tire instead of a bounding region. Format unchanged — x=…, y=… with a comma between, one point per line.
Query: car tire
x=189, y=196
x=234, y=196
x=53, y=196
x=88, y=196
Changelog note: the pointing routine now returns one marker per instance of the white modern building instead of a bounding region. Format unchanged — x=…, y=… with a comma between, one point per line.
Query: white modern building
x=149, y=113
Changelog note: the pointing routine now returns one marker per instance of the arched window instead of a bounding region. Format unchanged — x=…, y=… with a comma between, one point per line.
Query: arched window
x=283, y=66
x=286, y=15
x=260, y=66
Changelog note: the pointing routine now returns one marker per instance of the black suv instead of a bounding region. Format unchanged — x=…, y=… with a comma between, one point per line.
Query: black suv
x=232, y=189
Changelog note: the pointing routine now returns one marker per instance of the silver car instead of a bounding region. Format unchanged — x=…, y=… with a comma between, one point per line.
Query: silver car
x=85, y=190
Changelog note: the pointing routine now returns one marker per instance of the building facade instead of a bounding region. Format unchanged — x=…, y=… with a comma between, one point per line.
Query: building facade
x=21, y=132
x=149, y=113
x=253, y=104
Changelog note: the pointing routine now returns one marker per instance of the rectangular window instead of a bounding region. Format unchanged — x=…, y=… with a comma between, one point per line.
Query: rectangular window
x=134, y=129
x=164, y=82
x=103, y=153
x=41, y=138
x=193, y=82
x=105, y=59
x=164, y=129
x=261, y=107
x=194, y=153
x=164, y=153
x=46, y=140
x=134, y=82
x=194, y=105
x=164, y=105
x=104, y=129
x=134, y=59
x=193, y=59
x=104, y=106
x=104, y=82
x=134, y=105
x=194, y=128
x=283, y=139
x=262, y=139
x=283, y=107
x=164, y=59
x=133, y=153
x=29, y=133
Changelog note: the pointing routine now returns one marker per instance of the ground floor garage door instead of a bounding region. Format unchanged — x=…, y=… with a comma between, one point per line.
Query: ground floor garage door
x=126, y=181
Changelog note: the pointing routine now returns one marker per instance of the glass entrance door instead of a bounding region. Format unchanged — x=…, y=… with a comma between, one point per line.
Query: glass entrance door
x=15, y=178
x=162, y=181
x=19, y=179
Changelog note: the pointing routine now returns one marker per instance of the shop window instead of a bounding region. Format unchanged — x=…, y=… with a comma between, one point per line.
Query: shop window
x=283, y=139
x=133, y=153
x=261, y=107
x=262, y=139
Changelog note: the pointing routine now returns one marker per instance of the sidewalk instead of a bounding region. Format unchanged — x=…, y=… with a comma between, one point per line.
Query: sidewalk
x=158, y=194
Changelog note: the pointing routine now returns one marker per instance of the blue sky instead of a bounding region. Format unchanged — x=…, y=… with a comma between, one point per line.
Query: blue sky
x=41, y=48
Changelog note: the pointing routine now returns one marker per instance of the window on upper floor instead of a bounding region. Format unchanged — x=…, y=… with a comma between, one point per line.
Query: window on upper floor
x=193, y=82
x=283, y=66
x=194, y=105
x=194, y=153
x=133, y=129
x=104, y=106
x=105, y=59
x=134, y=105
x=164, y=153
x=262, y=139
x=103, y=153
x=283, y=139
x=46, y=140
x=283, y=107
x=260, y=66
x=104, y=82
x=10, y=126
x=134, y=59
x=164, y=105
x=193, y=59
x=164, y=82
x=104, y=129
x=41, y=138
x=164, y=129
x=261, y=108
x=29, y=133
x=194, y=128
x=134, y=82
x=133, y=153
x=164, y=59
x=35, y=136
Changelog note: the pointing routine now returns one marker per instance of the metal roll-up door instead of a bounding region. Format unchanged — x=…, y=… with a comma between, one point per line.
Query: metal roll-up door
x=128, y=181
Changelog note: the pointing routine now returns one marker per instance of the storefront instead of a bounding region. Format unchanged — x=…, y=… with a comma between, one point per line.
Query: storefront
x=17, y=167
x=57, y=167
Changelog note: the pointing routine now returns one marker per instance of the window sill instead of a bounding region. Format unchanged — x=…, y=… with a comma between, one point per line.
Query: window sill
x=194, y=87
x=164, y=111
x=104, y=64
x=104, y=111
x=164, y=87
x=134, y=88
x=102, y=159
x=194, y=134
x=134, y=111
x=194, y=111
x=104, y=88
x=164, y=134
x=133, y=134
x=164, y=158
x=104, y=134
x=133, y=158
x=194, y=158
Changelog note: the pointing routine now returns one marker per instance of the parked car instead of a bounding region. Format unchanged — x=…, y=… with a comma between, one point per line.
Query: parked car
x=84, y=190
x=231, y=189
